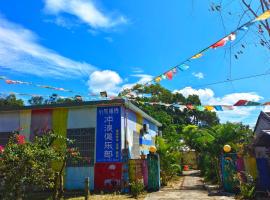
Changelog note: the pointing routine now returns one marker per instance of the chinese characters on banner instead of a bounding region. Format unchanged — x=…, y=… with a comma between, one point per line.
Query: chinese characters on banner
x=108, y=139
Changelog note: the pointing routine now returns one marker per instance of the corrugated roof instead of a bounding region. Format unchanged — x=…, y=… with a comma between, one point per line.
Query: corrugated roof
x=268, y=113
x=263, y=122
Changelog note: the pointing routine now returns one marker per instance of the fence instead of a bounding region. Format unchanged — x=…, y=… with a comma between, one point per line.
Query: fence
x=258, y=168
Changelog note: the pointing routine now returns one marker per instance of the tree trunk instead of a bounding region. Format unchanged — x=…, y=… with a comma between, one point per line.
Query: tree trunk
x=61, y=180
x=216, y=164
x=19, y=194
x=55, y=193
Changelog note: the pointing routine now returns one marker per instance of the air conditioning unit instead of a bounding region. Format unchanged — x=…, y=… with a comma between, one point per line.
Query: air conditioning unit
x=146, y=128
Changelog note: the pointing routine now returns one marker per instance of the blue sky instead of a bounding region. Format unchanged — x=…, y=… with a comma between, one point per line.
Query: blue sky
x=88, y=46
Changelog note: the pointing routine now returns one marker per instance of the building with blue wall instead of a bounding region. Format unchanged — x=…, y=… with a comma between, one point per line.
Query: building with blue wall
x=102, y=130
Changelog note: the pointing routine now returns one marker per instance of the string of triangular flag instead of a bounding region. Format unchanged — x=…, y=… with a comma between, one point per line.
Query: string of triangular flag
x=181, y=107
x=220, y=43
x=18, y=82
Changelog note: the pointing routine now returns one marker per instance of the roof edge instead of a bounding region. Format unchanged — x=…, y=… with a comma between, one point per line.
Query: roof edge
x=118, y=101
x=134, y=108
x=261, y=115
x=65, y=105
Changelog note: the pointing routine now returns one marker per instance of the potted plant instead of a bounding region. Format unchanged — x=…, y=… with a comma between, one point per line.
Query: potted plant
x=143, y=156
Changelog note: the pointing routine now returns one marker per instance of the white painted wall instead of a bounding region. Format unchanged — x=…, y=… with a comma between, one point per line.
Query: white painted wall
x=9, y=121
x=82, y=118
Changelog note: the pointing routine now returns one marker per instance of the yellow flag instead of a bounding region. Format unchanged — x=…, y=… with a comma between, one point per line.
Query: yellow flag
x=197, y=56
x=209, y=108
x=264, y=16
x=158, y=79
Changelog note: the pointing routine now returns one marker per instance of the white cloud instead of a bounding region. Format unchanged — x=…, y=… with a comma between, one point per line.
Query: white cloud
x=246, y=115
x=198, y=75
x=143, y=78
x=61, y=21
x=106, y=80
x=21, y=52
x=207, y=96
x=85, y=10
x=112, y=82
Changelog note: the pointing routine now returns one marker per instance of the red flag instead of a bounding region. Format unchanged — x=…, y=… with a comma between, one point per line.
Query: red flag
x=220, y=43
x=190, y=107
x=241, y=103
x=10, y=82
x=169, y=75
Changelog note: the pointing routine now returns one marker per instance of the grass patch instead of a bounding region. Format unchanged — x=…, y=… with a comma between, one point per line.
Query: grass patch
x=79, y=196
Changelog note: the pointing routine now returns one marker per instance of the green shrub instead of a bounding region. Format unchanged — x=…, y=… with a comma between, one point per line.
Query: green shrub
x=136, y=188
x=247, y=186
x=25, y=165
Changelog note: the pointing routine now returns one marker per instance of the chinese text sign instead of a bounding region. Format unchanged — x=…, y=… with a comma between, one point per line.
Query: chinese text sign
x=108, y=139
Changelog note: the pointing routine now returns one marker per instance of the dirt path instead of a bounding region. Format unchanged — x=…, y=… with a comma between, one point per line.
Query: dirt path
x=188, y=188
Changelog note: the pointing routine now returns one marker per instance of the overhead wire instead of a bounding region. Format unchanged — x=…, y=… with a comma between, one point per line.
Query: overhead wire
x=230, y=47
x=235, y=79
x=203, y=50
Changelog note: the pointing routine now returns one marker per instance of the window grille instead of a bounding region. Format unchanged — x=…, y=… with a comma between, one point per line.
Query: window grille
x=84, y=140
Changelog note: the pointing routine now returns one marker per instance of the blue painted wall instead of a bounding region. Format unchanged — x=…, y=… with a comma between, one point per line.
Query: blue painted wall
x=145, y=141
x=75, y=177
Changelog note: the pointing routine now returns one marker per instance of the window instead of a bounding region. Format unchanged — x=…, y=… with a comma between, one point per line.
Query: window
x=4, y=138
x=136, y=145
x=84, y=141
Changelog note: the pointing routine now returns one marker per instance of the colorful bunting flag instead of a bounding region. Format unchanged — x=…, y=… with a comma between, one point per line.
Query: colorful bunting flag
x=263, y=16
x=157, y=80
x=197, y=56
x=247, y=25
x=218, y=108
x=231, y=37
x=209, y=108
x=225, y=107
x=174, y=70
x=223, y=41
x=190, y=107
x=241, y=103
x=8, y=81
x=169, y=75
x=183, y=67
x=244, y=28
x=252, y=103
x=220, y=43
x=200, y=108
x=16, y=82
